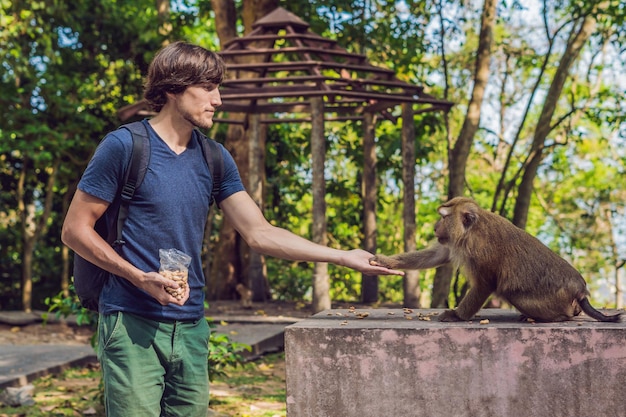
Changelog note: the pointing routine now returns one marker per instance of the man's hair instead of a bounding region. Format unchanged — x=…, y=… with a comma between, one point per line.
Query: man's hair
x=178, y=66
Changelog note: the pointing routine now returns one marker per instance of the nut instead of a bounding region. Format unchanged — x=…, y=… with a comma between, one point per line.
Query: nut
x=180, y=277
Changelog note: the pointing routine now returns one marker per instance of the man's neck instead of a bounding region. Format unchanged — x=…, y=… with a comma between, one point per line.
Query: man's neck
x=175, y=132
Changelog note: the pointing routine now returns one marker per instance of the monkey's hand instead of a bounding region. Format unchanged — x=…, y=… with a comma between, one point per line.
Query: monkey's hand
x=449, y=315
x=384, y=261
x=431, y=257
x=359, y=260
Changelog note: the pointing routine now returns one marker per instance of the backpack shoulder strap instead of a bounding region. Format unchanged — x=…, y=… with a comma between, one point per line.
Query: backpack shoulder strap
x=213, y=156
x=139, y=159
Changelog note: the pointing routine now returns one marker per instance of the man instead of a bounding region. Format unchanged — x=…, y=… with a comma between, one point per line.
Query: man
x=152, y=346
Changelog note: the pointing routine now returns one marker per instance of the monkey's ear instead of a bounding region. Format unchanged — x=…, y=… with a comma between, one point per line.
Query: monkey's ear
x=469, y=218
x=444, y=211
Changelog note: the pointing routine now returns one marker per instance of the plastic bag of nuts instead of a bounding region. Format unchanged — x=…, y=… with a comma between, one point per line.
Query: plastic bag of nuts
x=175, y=266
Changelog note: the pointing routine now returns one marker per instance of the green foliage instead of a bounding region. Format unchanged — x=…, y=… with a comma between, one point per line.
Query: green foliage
x=67, y=67
x=224, y=353
x=289, y=281
x=289, y=200
x=64, y=306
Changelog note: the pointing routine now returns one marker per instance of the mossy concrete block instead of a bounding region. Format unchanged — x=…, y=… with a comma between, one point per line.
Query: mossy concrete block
x=377, y=362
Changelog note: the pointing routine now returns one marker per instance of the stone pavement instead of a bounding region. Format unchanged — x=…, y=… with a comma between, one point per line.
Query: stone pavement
x=20, y=364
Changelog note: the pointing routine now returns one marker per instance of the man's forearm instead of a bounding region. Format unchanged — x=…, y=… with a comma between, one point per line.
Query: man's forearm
x=281, y=243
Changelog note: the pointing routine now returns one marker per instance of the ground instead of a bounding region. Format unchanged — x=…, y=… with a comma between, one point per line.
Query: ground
x=257, y=389
x=51, y=333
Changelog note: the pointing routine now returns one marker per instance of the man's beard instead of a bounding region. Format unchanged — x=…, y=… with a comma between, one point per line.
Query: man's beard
x=201, y=124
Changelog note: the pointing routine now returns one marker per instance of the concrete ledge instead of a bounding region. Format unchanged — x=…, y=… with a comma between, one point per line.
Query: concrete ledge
x=384, y=364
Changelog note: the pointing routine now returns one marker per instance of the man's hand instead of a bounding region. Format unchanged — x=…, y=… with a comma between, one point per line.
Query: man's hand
x=359, y=260
x=154, y=284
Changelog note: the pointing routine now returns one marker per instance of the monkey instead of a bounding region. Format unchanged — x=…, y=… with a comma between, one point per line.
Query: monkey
x=500, y=258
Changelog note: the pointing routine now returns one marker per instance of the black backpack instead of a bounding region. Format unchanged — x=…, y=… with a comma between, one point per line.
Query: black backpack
x=89, y=278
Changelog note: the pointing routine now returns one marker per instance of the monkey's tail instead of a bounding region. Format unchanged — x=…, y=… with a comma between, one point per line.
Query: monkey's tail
x=595, y=314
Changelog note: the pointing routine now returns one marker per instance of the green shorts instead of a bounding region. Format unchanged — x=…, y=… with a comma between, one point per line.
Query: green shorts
x=153, y=369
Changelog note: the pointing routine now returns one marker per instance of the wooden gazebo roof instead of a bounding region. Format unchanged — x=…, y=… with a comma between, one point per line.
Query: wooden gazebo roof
x=278, y=67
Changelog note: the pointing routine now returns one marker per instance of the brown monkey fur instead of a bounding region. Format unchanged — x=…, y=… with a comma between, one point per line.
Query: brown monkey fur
x=498, y=257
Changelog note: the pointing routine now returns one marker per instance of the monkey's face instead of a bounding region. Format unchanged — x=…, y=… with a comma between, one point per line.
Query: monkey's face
x=457, y=217
x=441, y=233
x=444, y=226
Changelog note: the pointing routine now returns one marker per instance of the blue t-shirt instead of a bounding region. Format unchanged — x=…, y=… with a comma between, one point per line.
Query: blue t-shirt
x=168, y=210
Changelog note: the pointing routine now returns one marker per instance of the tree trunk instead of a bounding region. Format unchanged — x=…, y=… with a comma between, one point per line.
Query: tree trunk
x=369, y=285
x=617, y=262
x=257, y=271
x=65, y=251
x=459, y=153
x=411, y=284
x=225, y=19
x=228, y=271
x=253, y=10
x=232, y=251
x=321, y=281
x=208, y=257
x=163, y=12
x=619, y=293
x=27, y=260
x=575, y=44
x=33, y=227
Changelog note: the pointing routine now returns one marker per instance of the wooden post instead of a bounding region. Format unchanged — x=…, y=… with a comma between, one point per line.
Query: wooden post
x=369, y=283
x=410, y=281
x=321, y=280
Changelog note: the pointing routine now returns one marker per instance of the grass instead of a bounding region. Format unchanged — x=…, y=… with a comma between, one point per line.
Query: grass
x=256, y=389
x=74, y=392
